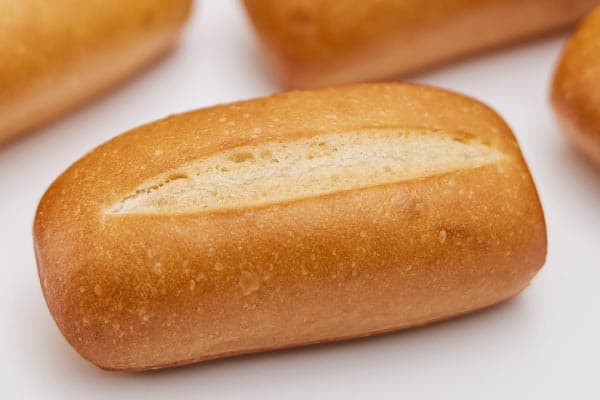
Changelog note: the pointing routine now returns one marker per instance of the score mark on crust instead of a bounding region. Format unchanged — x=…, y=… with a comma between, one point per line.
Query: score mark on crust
x=280, y=171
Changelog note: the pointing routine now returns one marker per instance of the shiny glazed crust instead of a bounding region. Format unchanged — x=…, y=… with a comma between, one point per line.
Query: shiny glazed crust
x=56, y=54
x=136, y=291
x=576, y=88
x=315, y=43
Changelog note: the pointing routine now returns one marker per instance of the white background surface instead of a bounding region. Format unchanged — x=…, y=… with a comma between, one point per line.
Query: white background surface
x=544, y=344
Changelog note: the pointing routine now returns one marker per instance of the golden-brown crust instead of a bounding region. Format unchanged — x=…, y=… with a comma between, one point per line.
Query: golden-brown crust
x=134, y=292
x=58, y=53
x=576, y=87
x=325, y=42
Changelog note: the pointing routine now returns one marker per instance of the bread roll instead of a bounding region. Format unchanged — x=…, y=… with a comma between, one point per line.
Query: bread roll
x=576, y=88
x=299, y=218
x=56, y=54
x=326, y=42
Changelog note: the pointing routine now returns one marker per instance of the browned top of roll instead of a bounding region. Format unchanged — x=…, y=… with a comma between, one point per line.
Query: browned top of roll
x=111, y=171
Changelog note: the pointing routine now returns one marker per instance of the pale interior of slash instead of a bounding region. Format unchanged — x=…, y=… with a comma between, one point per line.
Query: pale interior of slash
x=280, y=171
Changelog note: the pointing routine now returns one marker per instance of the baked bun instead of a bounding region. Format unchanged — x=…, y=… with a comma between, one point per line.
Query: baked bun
x=298, y=218
x=315, y=43
x=576, y=88
x=56, y=54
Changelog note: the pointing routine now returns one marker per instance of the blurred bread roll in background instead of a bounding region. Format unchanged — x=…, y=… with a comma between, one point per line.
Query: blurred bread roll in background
x=327, y=42
x=576, y=88
x=56, y=54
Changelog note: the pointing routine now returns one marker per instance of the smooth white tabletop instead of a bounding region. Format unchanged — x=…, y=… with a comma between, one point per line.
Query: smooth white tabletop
x=544, y=344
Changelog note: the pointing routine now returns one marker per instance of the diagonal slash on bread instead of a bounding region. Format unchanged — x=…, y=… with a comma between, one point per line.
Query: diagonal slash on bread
x=284, y=171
